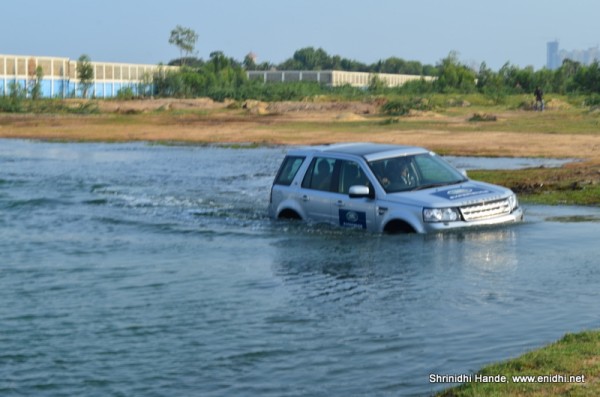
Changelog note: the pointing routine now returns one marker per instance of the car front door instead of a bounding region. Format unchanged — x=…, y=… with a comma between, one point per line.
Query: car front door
x=352, y=212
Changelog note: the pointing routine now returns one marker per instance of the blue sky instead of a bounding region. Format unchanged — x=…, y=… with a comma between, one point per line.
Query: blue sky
x=426, y=31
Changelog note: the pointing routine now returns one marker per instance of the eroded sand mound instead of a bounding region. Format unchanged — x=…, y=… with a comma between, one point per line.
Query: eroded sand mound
x=148, y=105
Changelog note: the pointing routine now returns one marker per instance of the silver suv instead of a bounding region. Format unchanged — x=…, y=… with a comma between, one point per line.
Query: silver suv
x=385, y=188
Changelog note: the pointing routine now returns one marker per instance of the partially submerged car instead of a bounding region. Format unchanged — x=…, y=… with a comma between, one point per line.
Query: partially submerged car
x=385, y=188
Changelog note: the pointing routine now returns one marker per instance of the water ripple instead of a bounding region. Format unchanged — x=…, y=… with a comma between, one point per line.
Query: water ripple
x=147, y=270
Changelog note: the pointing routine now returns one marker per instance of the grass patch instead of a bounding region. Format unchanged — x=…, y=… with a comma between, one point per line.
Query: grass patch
x=47, y=106
x=186, y=112
x=570, y=121
x=483, y=117
x=553, y=186
x=576, y=355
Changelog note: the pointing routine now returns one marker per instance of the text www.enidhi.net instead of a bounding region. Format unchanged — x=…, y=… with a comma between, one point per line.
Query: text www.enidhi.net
x=548, y=378
x=479, y=378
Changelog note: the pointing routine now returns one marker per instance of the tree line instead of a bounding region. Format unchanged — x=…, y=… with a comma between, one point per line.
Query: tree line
x=221, y=77
x=310, y=58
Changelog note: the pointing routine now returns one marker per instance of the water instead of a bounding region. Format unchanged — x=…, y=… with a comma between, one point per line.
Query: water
x=137, y=270
x=505, y=163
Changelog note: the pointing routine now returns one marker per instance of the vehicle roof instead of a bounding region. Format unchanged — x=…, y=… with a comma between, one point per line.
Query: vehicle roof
x=370, y=151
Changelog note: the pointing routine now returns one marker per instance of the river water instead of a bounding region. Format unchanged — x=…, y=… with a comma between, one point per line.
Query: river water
x=139, y=270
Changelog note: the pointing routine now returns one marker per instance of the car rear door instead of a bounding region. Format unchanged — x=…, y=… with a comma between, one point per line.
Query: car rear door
x=317, y=193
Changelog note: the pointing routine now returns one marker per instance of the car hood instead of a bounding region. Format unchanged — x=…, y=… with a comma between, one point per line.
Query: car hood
x=457, y=195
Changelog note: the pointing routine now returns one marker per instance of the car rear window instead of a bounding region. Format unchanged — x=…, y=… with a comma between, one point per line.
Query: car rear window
x=288, y=170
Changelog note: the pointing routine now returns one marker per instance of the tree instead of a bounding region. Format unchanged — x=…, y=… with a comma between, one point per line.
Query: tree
x=185, y=39
x=454, y=76
x=490, y=84
x=34, y=82
x=85, y=74
x=563, y=76
x=218, y=61
x=36, y=87
x=587, y=78
x=145, y=85
x=393, y=65
x=249, y=62
x=308, y=59
x=376, y=85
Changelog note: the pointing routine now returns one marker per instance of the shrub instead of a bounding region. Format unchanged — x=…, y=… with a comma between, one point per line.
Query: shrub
x=592, y=100
x=402, y=106
x=483, y=117
x=126, y=94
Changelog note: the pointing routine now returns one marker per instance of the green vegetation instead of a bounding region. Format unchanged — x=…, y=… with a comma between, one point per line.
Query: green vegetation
x=36, y=78
x=85, y=74
x=13, y=103
x=185, y=39
x=125, y=93
x=569, y=367
x=547, y=185
x=401, y=106
x=483, y=117
x=17, y=102
x=309, y=58
x=222, y=77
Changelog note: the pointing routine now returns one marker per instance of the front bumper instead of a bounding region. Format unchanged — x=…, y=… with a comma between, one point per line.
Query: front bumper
x=513, y=217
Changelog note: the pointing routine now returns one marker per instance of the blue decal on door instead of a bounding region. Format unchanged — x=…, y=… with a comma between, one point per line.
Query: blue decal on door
x=355, y=219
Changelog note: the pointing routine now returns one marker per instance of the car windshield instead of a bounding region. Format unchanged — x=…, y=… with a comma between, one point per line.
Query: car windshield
x=414, y=172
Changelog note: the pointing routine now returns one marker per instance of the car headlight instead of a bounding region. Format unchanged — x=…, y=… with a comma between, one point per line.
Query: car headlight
x=513, y=202
x=441, y=214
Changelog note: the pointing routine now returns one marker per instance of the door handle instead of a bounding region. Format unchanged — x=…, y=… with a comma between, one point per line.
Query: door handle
x=305, y=198
x=340, y=203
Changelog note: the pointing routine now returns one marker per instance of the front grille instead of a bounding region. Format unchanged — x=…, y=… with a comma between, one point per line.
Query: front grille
x=485, y=210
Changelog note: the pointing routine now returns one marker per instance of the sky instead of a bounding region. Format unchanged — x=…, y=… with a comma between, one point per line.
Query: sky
x=135, y=31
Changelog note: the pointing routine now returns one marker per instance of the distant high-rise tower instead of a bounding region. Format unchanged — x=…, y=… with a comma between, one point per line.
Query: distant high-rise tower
x=552, y=58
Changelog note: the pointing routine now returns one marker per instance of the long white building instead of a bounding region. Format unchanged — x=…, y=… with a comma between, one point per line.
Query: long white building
x=60, y=76
x=333, y=78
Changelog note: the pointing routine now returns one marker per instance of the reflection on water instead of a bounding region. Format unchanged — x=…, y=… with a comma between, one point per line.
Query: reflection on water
x=480, y=250
x=416, y=303
x=140, y=270
x=574, y=218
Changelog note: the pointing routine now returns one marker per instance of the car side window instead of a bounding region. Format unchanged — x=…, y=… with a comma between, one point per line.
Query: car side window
x=288, y=170
x=319, y=175
x=351, y=174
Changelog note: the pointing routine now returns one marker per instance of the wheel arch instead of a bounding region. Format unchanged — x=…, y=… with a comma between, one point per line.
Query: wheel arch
x=398, y=226
x=288, y=213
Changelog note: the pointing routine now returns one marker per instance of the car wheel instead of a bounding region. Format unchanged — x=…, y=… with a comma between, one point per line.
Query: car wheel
x=398, y=227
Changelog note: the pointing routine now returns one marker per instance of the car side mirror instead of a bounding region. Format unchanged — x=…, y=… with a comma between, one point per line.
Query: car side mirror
x=359, y=191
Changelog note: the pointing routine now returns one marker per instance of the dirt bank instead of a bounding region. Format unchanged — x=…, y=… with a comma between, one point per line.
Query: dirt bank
x=291, y=123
